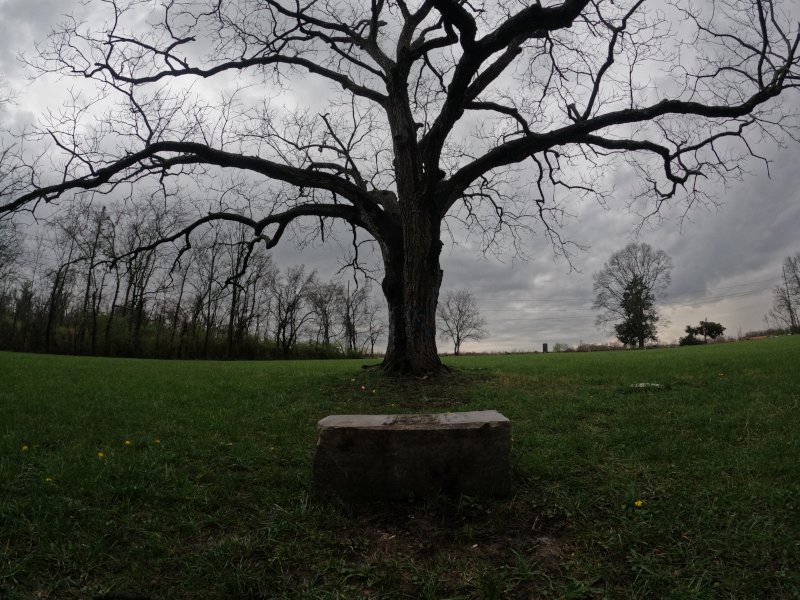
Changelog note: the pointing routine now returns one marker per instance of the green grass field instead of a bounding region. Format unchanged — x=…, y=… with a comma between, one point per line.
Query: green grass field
x=146, y=479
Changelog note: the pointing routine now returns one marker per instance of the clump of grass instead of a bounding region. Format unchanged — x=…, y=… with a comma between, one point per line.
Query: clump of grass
x=132, y=478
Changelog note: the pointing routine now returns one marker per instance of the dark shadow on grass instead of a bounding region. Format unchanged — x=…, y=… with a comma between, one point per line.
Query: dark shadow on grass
x=492, y=532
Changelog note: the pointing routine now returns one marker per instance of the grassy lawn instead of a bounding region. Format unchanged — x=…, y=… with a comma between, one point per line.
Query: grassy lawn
x=146, y=479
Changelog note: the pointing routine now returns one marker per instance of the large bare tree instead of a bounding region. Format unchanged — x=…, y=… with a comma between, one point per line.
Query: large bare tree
x=402, y=118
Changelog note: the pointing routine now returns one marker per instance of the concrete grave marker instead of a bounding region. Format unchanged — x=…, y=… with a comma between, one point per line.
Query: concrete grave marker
x=385, y=457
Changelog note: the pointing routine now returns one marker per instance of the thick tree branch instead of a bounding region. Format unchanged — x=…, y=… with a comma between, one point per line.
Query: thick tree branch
x=581, y=132
x=532, y=21
x=282, y=220
x=150, y=160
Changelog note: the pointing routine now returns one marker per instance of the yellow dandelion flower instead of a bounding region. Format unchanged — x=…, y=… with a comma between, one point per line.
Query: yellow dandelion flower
x=48, y=479
x=101, y=455
x=127, y=442
x=639, y=503
x=24, y=448
x=156, y=441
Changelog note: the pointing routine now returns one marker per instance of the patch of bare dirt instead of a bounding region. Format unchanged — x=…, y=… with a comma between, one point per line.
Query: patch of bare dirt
x=490, y=532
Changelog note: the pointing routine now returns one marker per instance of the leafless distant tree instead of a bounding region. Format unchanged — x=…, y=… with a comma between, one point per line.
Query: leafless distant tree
x=459, y=319
x=259, y=282
x=62, y=276
x=326, y=301
x=627, y=288
x=485, y=113
x=785, y=310
x=251, y=279
x=376, y=327
x=10, y=252
x=10, y=241
x=355, y=306
x=90, y=241
x=291, y=309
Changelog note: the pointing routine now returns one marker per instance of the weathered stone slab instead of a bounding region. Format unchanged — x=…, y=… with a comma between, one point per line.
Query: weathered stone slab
x=382, y=457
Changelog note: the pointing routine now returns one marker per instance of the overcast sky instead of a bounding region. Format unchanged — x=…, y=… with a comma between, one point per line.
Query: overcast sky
x=726, y=257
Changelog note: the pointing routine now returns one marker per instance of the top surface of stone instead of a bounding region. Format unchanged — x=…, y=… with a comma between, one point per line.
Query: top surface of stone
x=471, y=419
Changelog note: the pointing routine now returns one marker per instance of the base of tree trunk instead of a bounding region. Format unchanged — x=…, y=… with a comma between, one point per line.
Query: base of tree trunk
x=401, y=368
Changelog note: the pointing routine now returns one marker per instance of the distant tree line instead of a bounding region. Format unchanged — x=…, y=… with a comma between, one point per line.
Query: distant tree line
x=88, y=283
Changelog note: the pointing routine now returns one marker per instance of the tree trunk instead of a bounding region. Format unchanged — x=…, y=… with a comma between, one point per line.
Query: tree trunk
x=232, y=318
x=112, y=311
x=411, y=287
x=54, y=307
x=96, y=302
x=176, y=317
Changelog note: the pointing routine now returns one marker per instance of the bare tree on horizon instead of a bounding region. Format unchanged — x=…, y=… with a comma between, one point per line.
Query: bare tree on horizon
x=627, y=288
x=460, y=319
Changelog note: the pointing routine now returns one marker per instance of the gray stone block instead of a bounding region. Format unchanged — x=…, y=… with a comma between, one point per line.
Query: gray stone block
x=385, y=457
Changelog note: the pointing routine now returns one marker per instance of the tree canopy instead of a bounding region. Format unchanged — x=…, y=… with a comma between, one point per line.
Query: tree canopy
x=417, y=116
x=708, y=329
x=639, y=316
x=627, y=288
